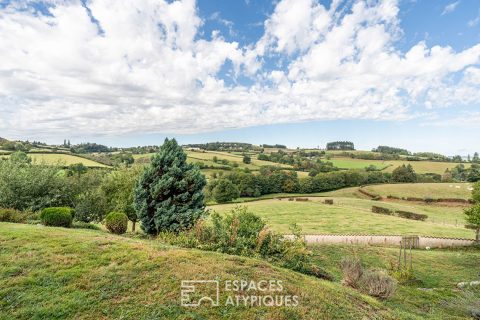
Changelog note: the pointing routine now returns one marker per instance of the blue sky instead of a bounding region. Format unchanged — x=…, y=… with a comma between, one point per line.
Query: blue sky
x=402, y=73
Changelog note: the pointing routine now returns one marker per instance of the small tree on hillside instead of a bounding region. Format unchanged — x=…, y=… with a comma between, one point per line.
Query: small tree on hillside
x=247, y=159
x=476, y=192
x=473, y=220
x=169, y=193
x=404, y=174
x=225, y=191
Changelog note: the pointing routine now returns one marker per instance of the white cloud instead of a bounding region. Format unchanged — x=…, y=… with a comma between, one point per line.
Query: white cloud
x=472, y=23
x=450, y=7
x=151, y=71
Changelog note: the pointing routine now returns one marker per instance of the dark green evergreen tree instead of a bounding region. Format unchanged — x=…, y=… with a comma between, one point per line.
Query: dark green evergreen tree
x=169, y=194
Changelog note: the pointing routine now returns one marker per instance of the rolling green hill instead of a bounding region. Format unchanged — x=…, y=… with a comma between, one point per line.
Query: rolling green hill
x=353, y=216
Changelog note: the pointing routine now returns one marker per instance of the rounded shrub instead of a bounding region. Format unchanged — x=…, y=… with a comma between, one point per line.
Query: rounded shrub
x=116, y=222
x=57, y=217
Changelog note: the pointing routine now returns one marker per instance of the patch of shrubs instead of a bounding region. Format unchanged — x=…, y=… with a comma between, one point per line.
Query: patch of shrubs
x=84, y=225
x=57, y=217
x=377, y=283
x=16, y=216
x=328, y=201
x=374, y=282
x=243, y=233
x=352, y=271
x=411, y=215
x=400, y=213
x=116, y=222
x=381, y=210
x=301, y=199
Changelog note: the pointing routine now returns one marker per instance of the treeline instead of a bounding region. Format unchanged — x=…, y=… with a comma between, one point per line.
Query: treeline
x=277, y=146
x=24, y=146
x=369, y=156
x=300, y=161
x=89, y=147
x=461, y=173
x=340, y=145
x=273, y=180
x=391, y=150
x=223, y=146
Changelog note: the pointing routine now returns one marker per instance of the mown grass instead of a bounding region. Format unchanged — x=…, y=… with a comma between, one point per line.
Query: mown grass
x=354, y=216
x=423, y=190
x=433, y=294
x=63, y=159
x=55, y=273
x=390, y=165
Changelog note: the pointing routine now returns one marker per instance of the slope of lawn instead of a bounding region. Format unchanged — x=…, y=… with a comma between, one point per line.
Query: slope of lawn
x=255, y=163
x=433, y=294
x=423, y=190
x=63, y=159
x=390, y=165
x=349, y=163
x=55, y=273
x=354, y=216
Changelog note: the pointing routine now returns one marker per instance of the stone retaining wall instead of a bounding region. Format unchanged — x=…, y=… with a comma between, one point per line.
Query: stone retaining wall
x=388, y=240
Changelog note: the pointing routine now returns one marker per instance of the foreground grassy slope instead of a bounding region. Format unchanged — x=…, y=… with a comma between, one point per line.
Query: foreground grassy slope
x=55, y=273
x=352, y=215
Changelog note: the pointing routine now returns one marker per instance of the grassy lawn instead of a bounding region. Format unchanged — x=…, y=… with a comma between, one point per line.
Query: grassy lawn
x=353, y=216
x=423, y=190
x=207, y=158
x=63, y=159
x=433, y=294
x=349, y=163
x=55, y=273
x=390, y=165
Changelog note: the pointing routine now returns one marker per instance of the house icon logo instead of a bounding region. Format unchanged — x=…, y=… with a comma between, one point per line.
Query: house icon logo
x=196, y=292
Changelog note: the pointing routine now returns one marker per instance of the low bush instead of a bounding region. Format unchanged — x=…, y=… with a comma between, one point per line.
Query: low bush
x=429, y=200
x=393, y=197
x=116, y=222
x=301, y=199
x=377, y=283
x=9, y=215
x=381, y=210
x=16, y=216
x=243, y=233
x=352, y=271
x=57, y=217
x=414, y=199
x=411, y=215
x=84, y=225
x=328, y=201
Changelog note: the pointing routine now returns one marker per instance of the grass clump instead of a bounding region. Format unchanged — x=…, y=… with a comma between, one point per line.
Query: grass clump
x=374, y=282
x=57, y=217
x=84, y=225
x=378, y=283
x=352, y=271
x=16, y=216
x=116, y=222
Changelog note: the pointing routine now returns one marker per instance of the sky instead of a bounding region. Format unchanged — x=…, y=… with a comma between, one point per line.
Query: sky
x=402, y=73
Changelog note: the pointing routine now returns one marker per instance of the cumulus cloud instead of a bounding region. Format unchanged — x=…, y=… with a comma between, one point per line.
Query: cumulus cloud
x=118, y=67
x=450, y=7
